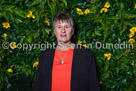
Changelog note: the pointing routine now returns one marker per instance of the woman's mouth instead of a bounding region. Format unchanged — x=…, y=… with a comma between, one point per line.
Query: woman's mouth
x=63, y=35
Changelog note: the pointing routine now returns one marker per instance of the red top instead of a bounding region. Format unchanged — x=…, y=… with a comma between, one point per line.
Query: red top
x=61, y=73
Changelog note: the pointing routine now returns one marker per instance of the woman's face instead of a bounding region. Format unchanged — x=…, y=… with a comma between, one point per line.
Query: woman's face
x=63, y=31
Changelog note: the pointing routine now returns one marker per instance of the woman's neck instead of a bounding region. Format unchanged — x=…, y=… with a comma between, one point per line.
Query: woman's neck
x=64, y=46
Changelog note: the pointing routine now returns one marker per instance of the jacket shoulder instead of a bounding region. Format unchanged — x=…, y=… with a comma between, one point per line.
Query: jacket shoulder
x=80, y=47
x=46, y=51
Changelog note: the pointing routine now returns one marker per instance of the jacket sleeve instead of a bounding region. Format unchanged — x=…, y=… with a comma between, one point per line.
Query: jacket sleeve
x=93, y=81
x=38, y=80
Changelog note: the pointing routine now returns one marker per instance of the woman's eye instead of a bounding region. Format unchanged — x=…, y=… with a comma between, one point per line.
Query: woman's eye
x=67, y=27
x=59, y=27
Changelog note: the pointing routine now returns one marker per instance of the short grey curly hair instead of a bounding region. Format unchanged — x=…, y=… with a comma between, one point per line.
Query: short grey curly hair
x=64, y=16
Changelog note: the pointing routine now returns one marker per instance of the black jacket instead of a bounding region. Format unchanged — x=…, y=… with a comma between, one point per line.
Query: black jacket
x=83, y=76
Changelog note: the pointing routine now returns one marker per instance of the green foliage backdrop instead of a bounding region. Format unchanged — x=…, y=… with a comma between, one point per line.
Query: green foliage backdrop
x=18, y=66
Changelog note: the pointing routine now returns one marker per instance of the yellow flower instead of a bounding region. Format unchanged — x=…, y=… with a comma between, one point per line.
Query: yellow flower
x=100, y=83
x=13, y=45
x=87, y=11
x=131, y=35
x=135, y=6
x=31, y=15
x=79, y=11
x=79, y=42
x=4, y=35
x=133, y=30
x=35, y=64
x=47, y=22
x=85, y=45
x=103, y=10
x=131, y=41
x=10, y=70
x=107, y=55
x=107, y=5
x=6, y=25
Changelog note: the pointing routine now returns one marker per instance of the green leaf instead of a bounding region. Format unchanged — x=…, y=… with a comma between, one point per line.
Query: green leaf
x=105, y=75
x=105, y=33
x=29, y=39
x=19, y=13
x=35, y=3
x=65, y=2
x=22, y=39
x=48, y=30
x=106, y=67
x=97, y=33
x=124, y=27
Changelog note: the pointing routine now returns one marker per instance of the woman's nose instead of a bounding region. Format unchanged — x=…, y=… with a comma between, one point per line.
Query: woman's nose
x=63, y=30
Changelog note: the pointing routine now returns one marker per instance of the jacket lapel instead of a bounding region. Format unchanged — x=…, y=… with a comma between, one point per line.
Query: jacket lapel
x=51, y=58
x=75, y=68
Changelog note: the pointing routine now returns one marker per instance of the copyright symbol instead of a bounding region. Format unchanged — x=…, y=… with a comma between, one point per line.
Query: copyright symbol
x=5, y=45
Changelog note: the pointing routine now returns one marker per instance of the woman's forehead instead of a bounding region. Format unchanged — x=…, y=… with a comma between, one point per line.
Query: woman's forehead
x=62, y=21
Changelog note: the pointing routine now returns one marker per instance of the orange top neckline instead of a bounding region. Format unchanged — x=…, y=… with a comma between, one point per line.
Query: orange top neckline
x=65, y=50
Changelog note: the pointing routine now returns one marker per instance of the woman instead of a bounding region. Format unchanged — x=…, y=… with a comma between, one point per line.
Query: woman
x=68, y=67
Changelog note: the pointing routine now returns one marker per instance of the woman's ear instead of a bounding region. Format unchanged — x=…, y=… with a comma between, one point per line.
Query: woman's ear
x=72, y=32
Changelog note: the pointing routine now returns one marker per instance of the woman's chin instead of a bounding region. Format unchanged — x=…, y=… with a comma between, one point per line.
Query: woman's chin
x=64, y=41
